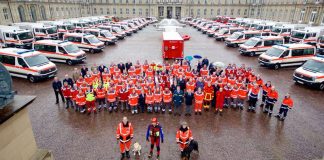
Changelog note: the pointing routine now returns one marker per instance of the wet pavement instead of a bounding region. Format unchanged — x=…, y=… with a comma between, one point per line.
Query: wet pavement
x=235, y=135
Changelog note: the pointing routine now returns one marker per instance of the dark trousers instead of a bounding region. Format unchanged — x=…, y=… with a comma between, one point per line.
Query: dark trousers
x=283, y=111
x=68, y=102
x=252, y=103
x=101, y=101
x=56, y=96
x=142, y=107
x=268, y=107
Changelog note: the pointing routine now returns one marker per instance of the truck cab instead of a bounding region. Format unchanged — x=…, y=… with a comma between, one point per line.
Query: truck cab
x=311, y=73
x=103, y=35
x=39, y=30
x=287, y=55
x=258, y=45
x=11, y=36
x=60, y=51
x=27, y=64
x=238, y=38
x=87, y=42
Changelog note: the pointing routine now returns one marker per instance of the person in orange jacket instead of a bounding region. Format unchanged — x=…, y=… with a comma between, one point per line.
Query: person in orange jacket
x=100, y=96
x=199, y=98
x=133, y=101
x=167, y=99
x=184, y=136
x=74, y=93
x=234, y=96
x=66, y=90
x=124, y=135
x=242, y=94
x=208, y=95
x=157, y=99
x=111, y=99
x=80, y=101
x=253, y=97
x=272, y=98
x=265, y=89
x=149, y=100
x=220, y=100
x=287, y=104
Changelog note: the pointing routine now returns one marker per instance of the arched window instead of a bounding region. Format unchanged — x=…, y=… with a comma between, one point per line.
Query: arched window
x=33, y=14
x=22, y=15
x=43, y=12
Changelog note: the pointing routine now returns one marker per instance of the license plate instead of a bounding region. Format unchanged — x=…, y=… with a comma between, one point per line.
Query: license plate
x=261, y=63
x=300, y=82
x=52, y=75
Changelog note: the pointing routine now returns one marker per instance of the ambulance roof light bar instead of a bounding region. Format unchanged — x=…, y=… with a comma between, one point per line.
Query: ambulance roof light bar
x=24, y=51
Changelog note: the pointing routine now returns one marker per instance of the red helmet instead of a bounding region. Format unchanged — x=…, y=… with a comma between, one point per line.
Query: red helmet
x=154, y=120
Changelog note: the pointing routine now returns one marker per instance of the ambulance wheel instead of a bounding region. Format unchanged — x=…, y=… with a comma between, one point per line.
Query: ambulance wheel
x=69, y=62
x=92, y=51
x=235, y=45
x=276, y=66
x=252, y=54
x=31, y=78
x=321, y=86
x=106, y=43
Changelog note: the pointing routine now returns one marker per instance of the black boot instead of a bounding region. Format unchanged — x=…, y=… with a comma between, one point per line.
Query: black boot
x=122, y=156
x=127, y=154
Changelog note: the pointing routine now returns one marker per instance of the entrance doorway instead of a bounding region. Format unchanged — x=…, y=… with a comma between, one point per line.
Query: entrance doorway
x=169, y=12
x=178, y=12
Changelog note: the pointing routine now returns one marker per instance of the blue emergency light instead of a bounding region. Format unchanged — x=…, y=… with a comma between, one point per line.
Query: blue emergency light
x=24, y=51
x=319, y=55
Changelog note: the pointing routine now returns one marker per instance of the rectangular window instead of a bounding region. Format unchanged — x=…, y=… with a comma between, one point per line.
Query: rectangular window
x=313, y=17
x=22, y=63
x=134, y=11
x=39, y=47
x=8, y=60
x=50, y=48
x=297, y=52
x=62, y=50
x=5, y=13
x=309, y=51
x=302, y=14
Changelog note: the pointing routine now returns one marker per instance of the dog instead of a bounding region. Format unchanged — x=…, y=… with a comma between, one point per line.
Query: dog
x=137, y=149
x=193, y=145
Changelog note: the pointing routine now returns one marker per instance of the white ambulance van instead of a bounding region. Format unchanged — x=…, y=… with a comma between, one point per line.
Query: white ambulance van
x=258, y=45
x=103, y=35
x=320, y=45
x=287, y=55
x=12, y=36
x=60, y=51
x=226, y=32
x=62, y=27
x=311, y=73
x=40, y=30
x=27, y=64
x=87, y=42
x=238, y=38
x=308, y=35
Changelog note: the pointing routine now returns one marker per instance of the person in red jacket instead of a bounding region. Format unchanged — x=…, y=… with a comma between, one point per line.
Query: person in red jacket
x=112, y=99
x=74, y=93
x=272, y=98
x=287, y=104
x=123, y=97
x=208, y=95
x=80, y=101
x=220, y=99
x=149, y=100
x=66, y=90
x=100, y=93
x=124, y=135
x=234, y=96
x=133, y=101
x=227, y=89
x=199, y=98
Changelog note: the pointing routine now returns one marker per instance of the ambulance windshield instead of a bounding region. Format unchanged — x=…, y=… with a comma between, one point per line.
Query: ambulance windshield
x=251, y=42
x=299, y=35
x=276, y=30
x=25, y=35
x=235, y=35
x=274, y=52
x=37, y=60
x=107, y=34
x=93, y=39
x=223, y=31
x=214, y=28
x=314, y=66
x=52, y=30
x=71, y=48
x=70, y=27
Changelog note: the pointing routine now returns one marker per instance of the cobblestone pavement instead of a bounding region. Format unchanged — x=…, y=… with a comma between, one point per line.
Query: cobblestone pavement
x=236, y=135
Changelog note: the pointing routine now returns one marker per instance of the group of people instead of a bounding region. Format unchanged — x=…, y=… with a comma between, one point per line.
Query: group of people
x=160, y=88
x=154, y=135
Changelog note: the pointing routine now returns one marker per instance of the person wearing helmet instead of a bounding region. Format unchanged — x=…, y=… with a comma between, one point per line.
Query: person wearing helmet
x=155, y=133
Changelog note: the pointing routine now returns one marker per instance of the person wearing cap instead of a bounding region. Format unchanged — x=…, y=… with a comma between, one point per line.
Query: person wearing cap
x=184, y=136
x=124, y=135
x=155, y=135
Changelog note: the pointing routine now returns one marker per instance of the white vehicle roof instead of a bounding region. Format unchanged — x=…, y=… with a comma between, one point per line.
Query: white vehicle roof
x=79, y=34
x=295, y=45
x=57, y=42
x=12, y=29
x=171, y=36
x=18, y=52
x=267, y=37
x=316, y=29
x=319, y=58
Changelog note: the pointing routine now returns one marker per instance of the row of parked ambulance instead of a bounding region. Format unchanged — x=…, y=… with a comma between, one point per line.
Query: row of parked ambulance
x=278, y=44
x=27, y=49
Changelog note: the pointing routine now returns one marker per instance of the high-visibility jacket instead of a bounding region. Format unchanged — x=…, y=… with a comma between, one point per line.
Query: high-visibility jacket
x=209, y=92
x=252, y=78
x=259, y=82
x=80, y=99
x=242, y=93
x=95, y=84
x=124, y=132
x=272, y=96
x=167, y=96
x=190, y=86
x=105, y=76
x=145, y=67
x=119, y=86
x=90, y=96
x=287, y=103
x=66, y=91
x=227, y=91
x=117, y=71
x=157, y=97
x=96, y=76
x=167, y=67
x=79, y=82
x=184, y=137
x=89, y=79
x=149, y=73
x=111, y=96
x=185, y=67
x=111, y=70
x=234, y=93
x=105, y=85
x=213, y=78
x=239, y=83
x=131, y=72
x=220, y=98
x=175, y=65
x=149, y=98
x=84, y=88
x=133, y=99
x=188, y=74
x=204, y=72
x=137, y=69
x=74, y=93
x=265, y=90
x=138, y=90
x=123, y=95
x=254, y=93
x=231, y=81
x=100, y=93
x=150, y=84
x=199, y=97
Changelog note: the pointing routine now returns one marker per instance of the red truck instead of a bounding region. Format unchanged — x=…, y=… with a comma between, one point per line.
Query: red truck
x=172, y=45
